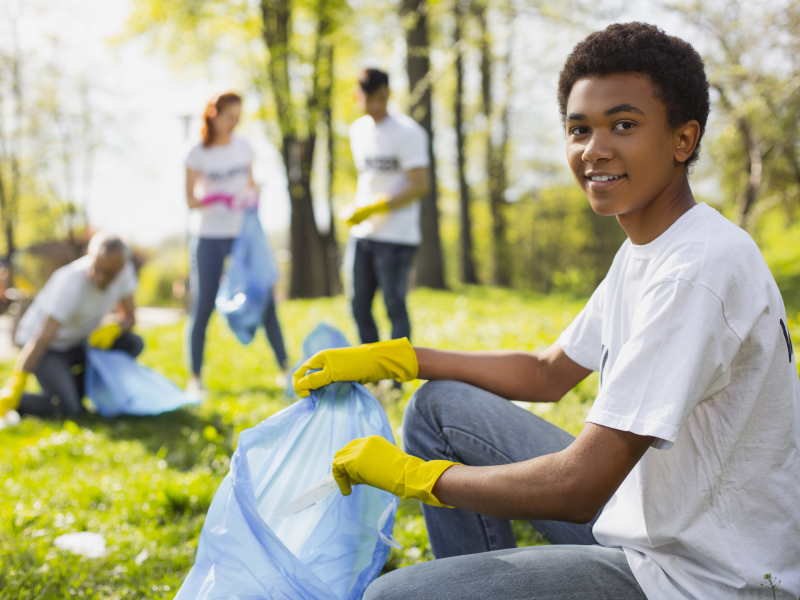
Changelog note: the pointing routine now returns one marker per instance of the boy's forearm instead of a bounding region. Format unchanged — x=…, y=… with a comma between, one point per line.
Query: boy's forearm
x=509, y=374
x=572, y=485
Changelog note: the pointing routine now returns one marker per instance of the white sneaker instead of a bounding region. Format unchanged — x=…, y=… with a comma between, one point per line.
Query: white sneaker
x=195, y=390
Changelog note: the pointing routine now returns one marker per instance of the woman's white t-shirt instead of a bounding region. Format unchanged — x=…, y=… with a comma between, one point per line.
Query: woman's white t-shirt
x=382, y=153
x=689, y=334
x=223, y=170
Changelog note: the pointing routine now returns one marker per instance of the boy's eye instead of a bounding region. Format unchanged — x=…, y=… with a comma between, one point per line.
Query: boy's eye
x=579, y=130
x=623, y=126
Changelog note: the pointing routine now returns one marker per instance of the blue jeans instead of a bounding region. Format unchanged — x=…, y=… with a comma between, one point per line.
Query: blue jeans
x=207, y=258
x=386, y=266
x=476, y=556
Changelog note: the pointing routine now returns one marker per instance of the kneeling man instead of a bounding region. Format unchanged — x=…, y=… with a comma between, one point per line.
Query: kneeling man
x=73, y=308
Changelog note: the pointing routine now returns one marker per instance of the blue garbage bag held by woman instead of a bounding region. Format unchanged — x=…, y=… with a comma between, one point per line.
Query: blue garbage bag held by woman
x=247, y=283
x=333, y=549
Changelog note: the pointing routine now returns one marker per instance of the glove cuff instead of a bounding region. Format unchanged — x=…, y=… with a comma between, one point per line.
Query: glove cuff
x=399, y=359
x=429, y=472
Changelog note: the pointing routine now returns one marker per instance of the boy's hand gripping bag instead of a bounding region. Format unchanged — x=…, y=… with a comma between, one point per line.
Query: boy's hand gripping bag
x=333, y=549
x=118, y=385
x=323, y=337
x=248, y=279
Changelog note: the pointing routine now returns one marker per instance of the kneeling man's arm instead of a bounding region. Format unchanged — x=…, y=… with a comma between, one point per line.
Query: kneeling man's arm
x=572, y=485
x=532, y=376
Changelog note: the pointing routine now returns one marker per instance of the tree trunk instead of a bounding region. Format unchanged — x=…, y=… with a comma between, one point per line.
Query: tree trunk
x=309, y=272
x=467, y=263
x=334, y=284
x=749, y=195
x=430, y=266
x=495, y=156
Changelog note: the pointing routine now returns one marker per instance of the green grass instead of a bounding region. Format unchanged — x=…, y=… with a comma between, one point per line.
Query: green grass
x=146, y=483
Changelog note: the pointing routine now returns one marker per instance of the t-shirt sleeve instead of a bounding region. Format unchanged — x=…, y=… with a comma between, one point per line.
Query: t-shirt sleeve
x=194, y=160
x=413, y=150
x=248, y=151
x=581, y=341
x=680, y=350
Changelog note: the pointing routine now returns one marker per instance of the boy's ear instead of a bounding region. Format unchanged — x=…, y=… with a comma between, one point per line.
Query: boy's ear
x=687, y=136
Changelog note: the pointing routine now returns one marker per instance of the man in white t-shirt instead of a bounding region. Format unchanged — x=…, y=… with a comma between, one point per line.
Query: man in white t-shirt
x=393, y=161
x=71, y=309
x=685, y=481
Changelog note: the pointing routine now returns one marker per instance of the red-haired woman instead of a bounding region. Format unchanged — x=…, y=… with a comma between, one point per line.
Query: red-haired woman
x=219, y=188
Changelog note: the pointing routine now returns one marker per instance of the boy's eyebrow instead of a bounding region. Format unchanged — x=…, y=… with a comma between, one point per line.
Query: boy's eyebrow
x=623, y=108
x=616, y=109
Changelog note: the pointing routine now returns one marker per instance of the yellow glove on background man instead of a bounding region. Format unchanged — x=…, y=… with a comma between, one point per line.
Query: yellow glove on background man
x=365, y=212
x=394, y=359
x=377, y=462
x=105, y=336
x=12, y=392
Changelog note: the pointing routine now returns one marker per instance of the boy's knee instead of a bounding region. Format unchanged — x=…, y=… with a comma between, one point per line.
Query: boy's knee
x=421, y=416
x=387, y=587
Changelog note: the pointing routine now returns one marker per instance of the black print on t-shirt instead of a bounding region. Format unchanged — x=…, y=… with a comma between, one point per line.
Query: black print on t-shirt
x=385, y=164
x=229, y=174
x=604, y=354
x=788, y=339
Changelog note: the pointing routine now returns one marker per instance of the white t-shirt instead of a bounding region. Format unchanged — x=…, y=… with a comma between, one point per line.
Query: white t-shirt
x=73, y=300
x=223, y=170
x=687, y=333
x=382, y=153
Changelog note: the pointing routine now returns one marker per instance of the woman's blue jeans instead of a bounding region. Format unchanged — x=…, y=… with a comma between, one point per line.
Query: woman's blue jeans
x=207, y=259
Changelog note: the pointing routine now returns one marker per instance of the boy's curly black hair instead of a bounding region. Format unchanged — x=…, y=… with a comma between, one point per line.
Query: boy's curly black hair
x=674, y=67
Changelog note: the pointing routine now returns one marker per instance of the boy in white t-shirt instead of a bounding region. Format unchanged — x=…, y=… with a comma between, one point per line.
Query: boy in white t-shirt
x=71, y=310
x=685, y=481
x=392, y=158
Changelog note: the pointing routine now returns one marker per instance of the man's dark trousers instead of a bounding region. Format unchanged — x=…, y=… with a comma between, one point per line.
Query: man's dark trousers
x=386, y=266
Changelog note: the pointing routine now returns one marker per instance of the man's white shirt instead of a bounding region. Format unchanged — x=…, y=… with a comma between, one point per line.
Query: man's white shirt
x=75, y=302
x=689, y=335
x=382, y=153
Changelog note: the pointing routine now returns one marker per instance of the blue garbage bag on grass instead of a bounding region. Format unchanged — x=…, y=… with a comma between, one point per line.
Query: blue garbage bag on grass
x=324, y=337
x=247, y=283
x=118, y=385
x=330, y=551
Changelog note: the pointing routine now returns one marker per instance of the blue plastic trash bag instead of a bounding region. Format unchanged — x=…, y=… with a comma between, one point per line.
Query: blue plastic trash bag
x=118, y=385
x=324, y=337
x=330, y=551
x=248, y=279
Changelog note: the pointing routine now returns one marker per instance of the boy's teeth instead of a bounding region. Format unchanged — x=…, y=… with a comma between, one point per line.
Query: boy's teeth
x=605, y=177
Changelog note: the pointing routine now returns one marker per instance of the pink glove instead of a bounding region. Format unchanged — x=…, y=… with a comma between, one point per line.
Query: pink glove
x=223, y=198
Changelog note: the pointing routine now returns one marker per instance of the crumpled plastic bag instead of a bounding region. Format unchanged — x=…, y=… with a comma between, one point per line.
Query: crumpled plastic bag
x=118, y=385
x=84, y=543
x=247, y=282
x=330, y=551
x=323, y=337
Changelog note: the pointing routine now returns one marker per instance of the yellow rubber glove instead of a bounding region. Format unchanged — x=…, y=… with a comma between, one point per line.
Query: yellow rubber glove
x=12, y=392
x=105, y=336
x=394, y=359
x=377, y=462
x=365, y=212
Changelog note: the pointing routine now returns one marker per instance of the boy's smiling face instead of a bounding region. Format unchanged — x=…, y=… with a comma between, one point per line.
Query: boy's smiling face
x=620, y=146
